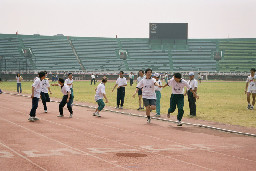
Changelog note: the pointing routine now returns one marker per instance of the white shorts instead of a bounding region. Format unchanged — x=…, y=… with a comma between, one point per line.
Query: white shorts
x=251, y=91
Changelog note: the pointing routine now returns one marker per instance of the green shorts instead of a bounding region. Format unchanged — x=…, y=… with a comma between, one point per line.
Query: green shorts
x=101, y=104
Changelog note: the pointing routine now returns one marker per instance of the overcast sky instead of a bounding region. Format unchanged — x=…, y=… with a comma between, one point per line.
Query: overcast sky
x=128, y=18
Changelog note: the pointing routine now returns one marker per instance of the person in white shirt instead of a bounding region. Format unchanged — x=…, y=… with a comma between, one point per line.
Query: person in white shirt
x=177, y=97
x=36, y=90
x=65, y=99
x=100, y=93
x=140, y=77
x=92, y=79
x=69, y=81
x=191, y=99
x=131, y=77
x=44, y=93
x=158, y=94
x=166, y=78
x=19, y=79
x=148, y=92
x=121, y=83
x=250, y=89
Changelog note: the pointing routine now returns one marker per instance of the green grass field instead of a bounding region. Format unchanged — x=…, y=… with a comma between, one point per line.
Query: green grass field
x=224, y=102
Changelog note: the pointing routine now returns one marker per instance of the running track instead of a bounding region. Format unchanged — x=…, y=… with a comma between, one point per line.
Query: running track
x=112, y=142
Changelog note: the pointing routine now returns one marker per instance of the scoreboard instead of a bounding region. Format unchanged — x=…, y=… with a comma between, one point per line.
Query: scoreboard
x=168, y=30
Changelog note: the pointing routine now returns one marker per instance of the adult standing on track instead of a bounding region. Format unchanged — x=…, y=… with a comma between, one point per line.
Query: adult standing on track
x=250, y=89
x=121, y=83
x=36, y=90
x=177, y=97
x=19, y=79
x=69, y=81
x=92, y=79
x=148, y=92
x=191, y=98
x=44, y=93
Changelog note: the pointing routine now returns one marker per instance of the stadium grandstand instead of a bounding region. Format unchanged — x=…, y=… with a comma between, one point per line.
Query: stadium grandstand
x=89, y=54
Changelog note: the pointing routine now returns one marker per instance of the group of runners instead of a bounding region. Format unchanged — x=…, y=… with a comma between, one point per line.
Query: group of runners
x=148, y=88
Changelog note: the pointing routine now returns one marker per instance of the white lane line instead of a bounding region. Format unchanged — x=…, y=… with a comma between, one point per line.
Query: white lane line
x=30, y=161
x=85, y=153
x=143, y=149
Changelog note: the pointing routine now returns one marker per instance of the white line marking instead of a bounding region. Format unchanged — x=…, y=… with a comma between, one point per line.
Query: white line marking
x=30, y=161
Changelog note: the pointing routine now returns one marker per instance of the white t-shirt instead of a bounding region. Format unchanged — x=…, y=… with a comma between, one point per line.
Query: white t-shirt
x=159, y=82
x=18, y=79
x=193, y=84
x=121, y=81
x=93, y=76
x=148, y=88
x=139, y=79
x=38, y=87
x=100, y=91
x=131, y=76
x=178, y=88
x=69, y=81
x=65, y=89
x=252, y=83
x=45, y=85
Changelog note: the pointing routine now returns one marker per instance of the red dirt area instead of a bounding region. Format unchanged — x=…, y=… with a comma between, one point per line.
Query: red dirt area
x=113, y=142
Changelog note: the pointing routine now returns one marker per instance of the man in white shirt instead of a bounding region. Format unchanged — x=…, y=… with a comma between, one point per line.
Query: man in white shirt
x=131, y=77
x=92, y=79
x=121, y=83
x=100, y=93
x=148, y=92
x=69, y=81
x=140, y=77
x=158, y=94
x=65, y=99
x=177, y=97
x=250, y=89
x=44, y=93
x=19, y=79
x=36, y=90
x=191, y=99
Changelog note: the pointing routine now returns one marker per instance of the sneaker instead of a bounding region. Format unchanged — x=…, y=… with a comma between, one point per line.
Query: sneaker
x=97, y=114
x=249, y=106
x=157, y=115
x=121, y=107
x=94, y=114
x=60, y=115
x=117, y=107
x=31, y=119
x=168, y=115
x=149, y=120
x=35, y=118
x=179, y=123
x=45, y=111
x=70, y=116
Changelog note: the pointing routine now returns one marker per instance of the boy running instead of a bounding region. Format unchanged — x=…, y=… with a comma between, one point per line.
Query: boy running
x=250, y=89
x=66, y=98
x=148, y=92
x=121, y=83
x=44, y=94
x=36, y=90
x=100, y=93
x=158, y=93
x=177, y=97
x=69, y=82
